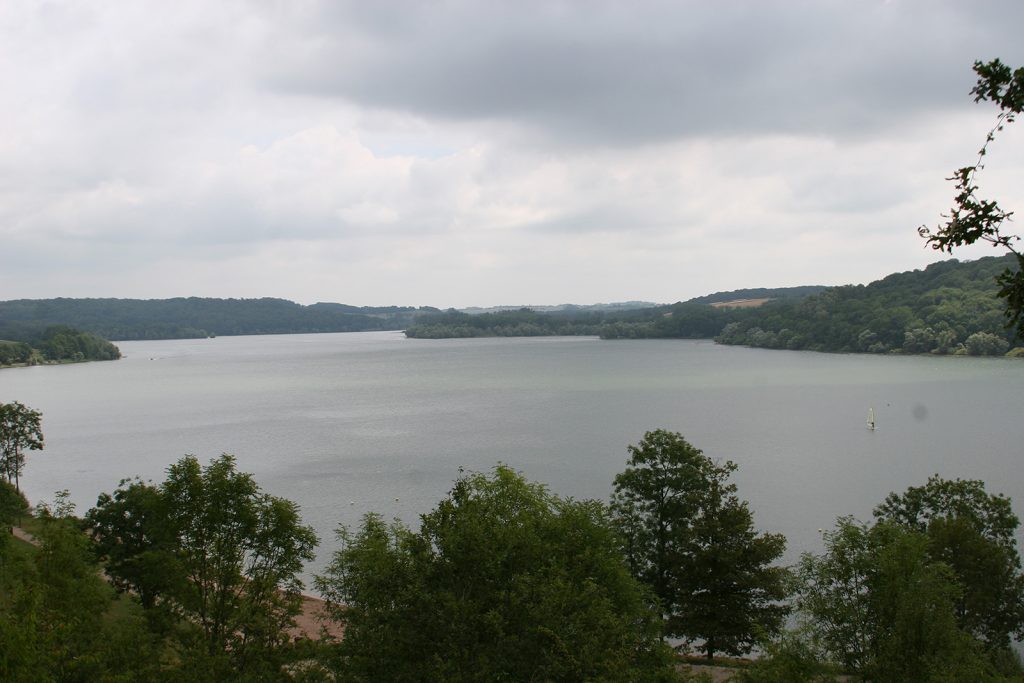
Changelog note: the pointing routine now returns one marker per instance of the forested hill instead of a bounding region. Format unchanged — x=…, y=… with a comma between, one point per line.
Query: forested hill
x=949, y=307
x=183, y=318
x=759, y=293
x=629, y=319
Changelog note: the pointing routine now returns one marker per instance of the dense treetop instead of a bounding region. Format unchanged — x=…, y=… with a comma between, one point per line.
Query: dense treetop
x=31, y=345
x=949, y=307
x=504, y=581
x=692, y=540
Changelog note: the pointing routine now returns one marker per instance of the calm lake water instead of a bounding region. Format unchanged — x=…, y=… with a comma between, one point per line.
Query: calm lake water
x=348, y=423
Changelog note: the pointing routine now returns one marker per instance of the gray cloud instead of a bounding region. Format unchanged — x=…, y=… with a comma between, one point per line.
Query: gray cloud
x=483, y=152
x=625, y=73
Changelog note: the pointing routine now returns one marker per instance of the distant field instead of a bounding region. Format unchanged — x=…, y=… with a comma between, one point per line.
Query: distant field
x=740, y=303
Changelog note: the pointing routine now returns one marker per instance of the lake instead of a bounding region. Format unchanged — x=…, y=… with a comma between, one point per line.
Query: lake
x=349, y=423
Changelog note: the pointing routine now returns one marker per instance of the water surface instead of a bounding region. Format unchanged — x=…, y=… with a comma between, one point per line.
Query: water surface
x=348, y=423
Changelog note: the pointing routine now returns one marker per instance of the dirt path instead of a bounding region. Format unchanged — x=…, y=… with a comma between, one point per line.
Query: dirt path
x=719, y=674
x=313, y=618
x=23, y=535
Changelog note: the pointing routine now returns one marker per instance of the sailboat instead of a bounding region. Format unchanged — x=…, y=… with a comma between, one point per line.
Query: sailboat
x=871, y=419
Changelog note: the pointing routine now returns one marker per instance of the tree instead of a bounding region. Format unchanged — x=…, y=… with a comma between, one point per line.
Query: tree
x=974, y=533
x=691, y=539
x=12, y=504
x=58, y=617
x=985, y=344
x=972, y=219
x=226, y=556
x=878, y=604
x=503, y=581
x=20, y=430
x=791, y=658
x=136, y=541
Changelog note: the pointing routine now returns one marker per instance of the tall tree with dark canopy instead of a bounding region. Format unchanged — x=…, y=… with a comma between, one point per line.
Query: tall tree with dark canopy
x=972, y=218
x=135, y=540
x=503, y=582
x=213, y=548
x=693, y=541
x=20, y=430
x=974, y=533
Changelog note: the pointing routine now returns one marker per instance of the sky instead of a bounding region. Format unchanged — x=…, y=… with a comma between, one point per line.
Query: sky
x=487, y=152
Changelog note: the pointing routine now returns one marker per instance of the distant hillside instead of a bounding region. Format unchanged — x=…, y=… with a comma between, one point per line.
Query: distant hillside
x=759, y=293
x=522, y=323
x=563, y=308
x=950, y=307
x=610, y=321
x=194, y=317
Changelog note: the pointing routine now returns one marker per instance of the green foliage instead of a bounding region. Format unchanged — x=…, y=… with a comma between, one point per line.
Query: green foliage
x=193, y=317
x=15, y=353
x=13, y=504
x=135, y=540
x=974, y=533
x=521, y=323
x=974, y=219
x=936, y=311
x=503, y=582
x=212, y=548
x=691, y=539
x=985, y=344
x=60, y=343
x=790, y=659
x=881, y=606
x=679, y=321
x=689, y=320
x=58, y=618
x=20, y=430
x=52, y=344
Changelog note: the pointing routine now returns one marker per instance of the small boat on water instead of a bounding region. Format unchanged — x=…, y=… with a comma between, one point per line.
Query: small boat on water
x=871, y=419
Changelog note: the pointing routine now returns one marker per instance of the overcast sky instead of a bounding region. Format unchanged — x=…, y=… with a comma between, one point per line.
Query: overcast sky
x=483, y=153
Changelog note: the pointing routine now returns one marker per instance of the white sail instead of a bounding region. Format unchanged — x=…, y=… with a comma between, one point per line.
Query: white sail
x=871, y=419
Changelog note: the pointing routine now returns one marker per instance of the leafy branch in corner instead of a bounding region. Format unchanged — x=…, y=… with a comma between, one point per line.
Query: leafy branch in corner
x=973, y=218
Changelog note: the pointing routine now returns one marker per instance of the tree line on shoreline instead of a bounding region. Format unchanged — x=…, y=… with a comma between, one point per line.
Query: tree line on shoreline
x=948, y=308
x=506, y=580
x=53, y=344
